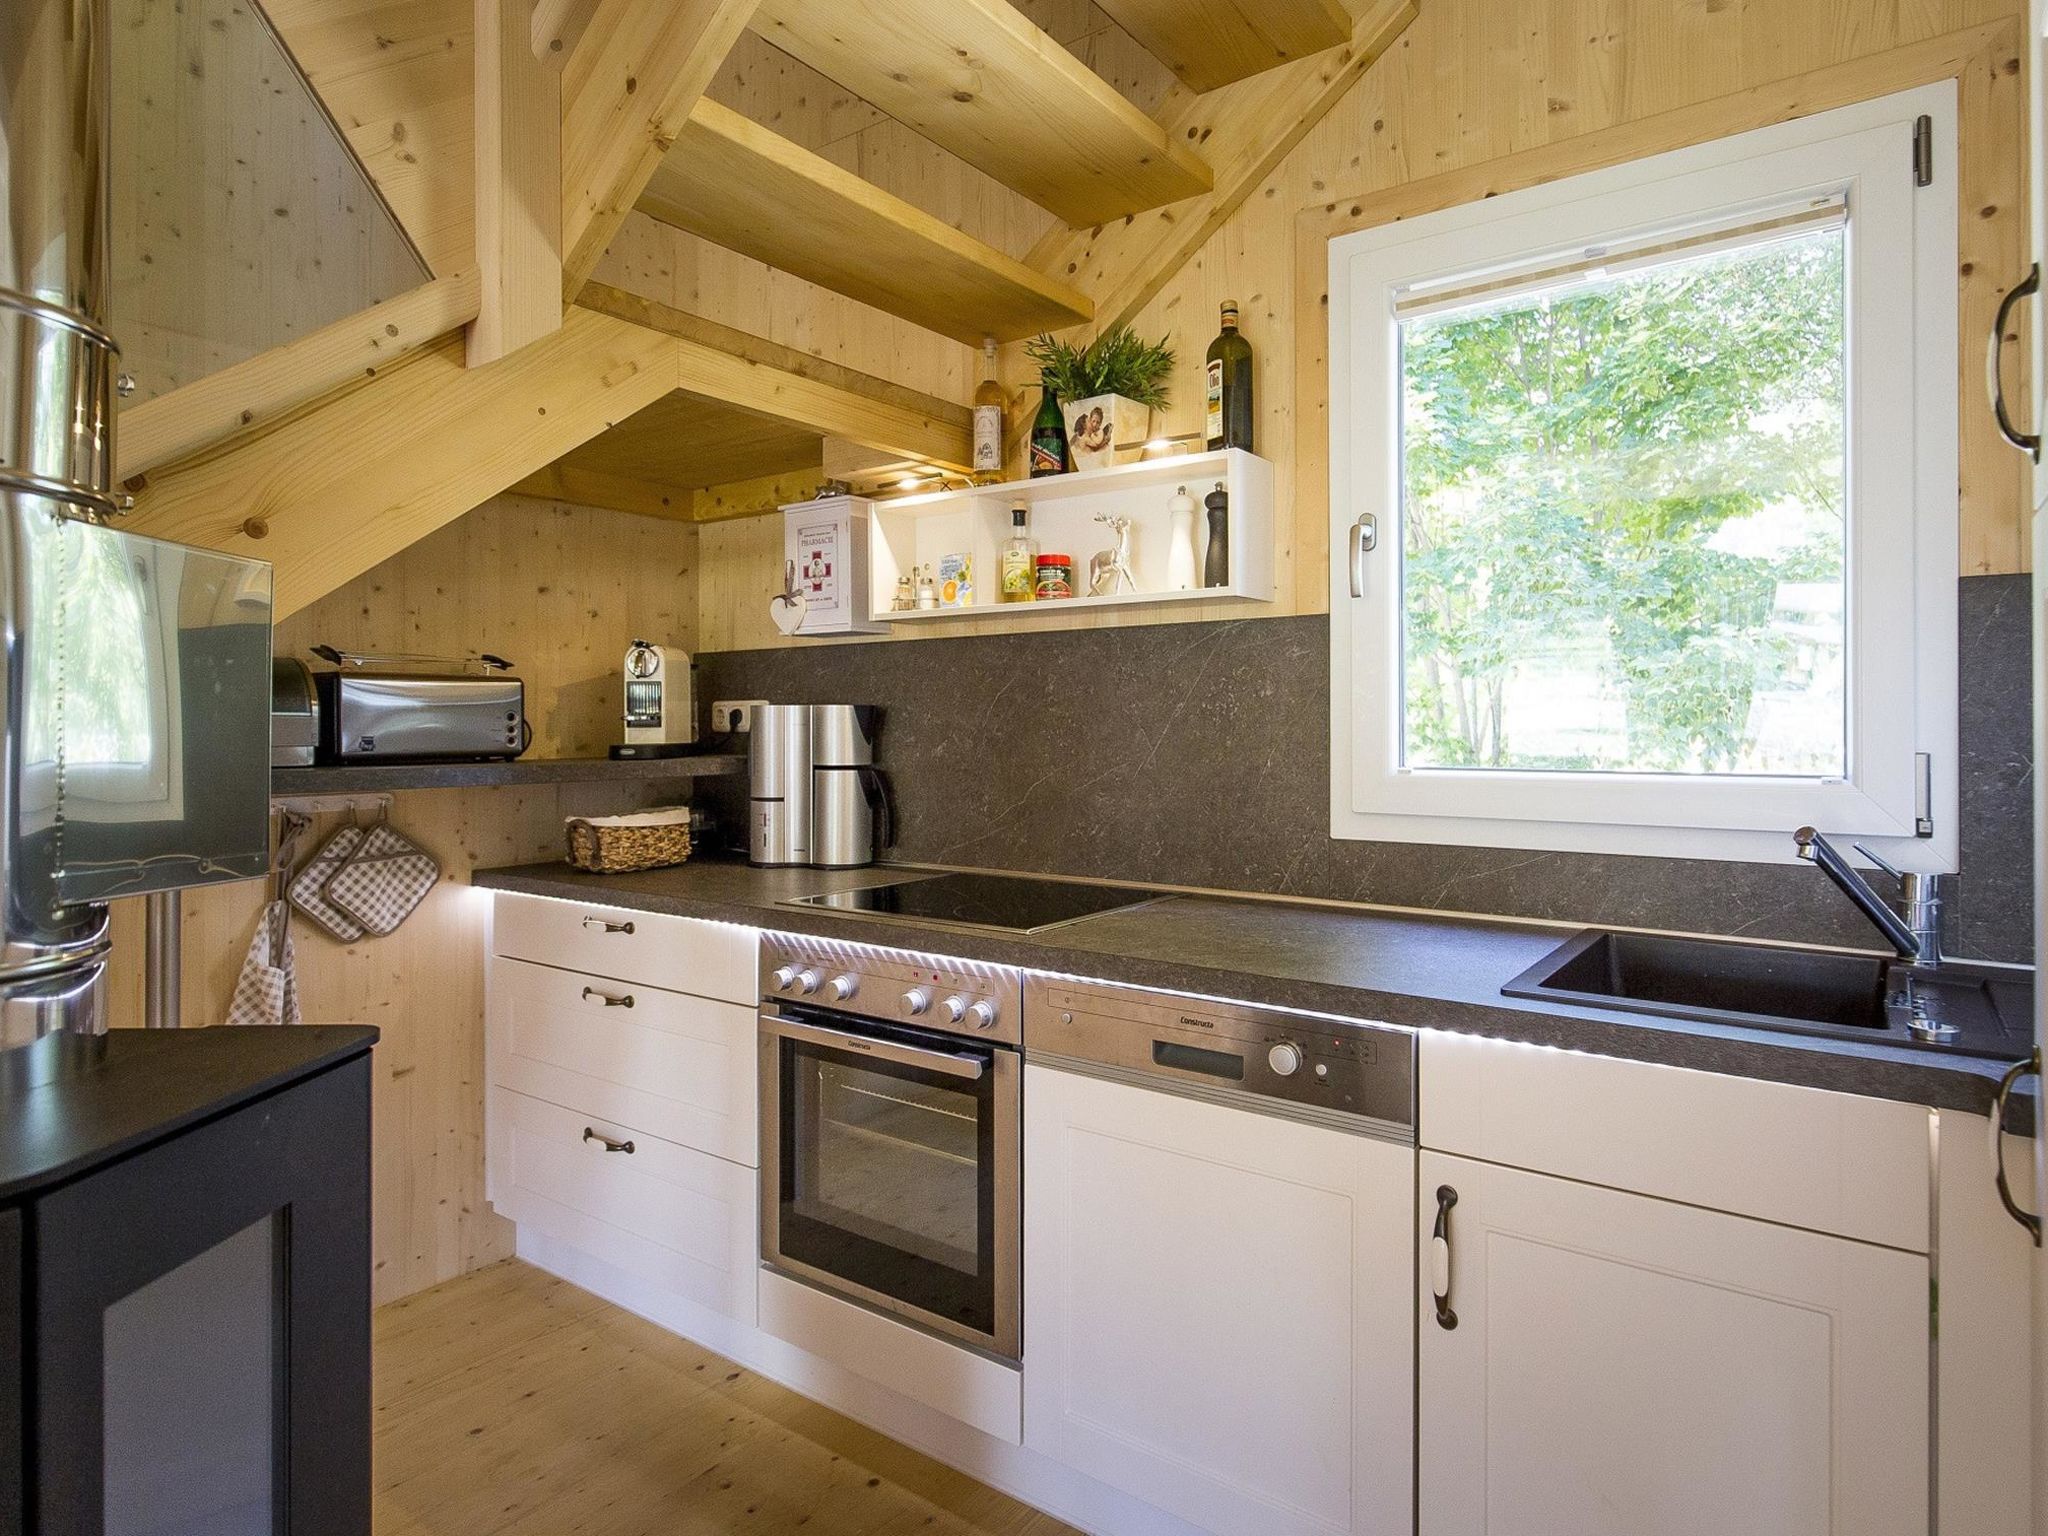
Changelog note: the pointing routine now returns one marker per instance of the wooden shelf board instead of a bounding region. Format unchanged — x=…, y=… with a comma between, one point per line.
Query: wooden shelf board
x=1067, y=605
x=744, y=187
x=1210, y=43
x=978, y=78
x=1175, y=469
x=385, y=778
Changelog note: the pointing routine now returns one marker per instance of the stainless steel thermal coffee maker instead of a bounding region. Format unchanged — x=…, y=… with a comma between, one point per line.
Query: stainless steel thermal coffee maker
x=850, y=813
x=815, y=796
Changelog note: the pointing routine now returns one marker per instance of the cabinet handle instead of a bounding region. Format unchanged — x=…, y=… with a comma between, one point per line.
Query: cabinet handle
x=1365, y=538
x=590, y=1133
x=2028, y=443
x=624, y=1000
x=1440, y=1257
x=2019, y=1069
x=602, y=926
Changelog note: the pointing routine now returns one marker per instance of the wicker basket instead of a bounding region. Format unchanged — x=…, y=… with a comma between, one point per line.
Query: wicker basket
x=616, y=845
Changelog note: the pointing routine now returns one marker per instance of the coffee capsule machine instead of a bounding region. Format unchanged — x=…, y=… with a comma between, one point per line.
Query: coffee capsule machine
x=815, y=796
x=661, y=706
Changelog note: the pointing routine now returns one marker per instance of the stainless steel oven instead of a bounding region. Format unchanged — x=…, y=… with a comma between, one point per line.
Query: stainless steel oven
x=891, y=1159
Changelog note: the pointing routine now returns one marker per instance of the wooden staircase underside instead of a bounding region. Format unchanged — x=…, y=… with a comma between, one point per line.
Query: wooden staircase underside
x=330, y=454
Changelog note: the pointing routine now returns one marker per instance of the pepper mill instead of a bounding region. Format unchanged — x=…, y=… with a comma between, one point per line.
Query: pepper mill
x=1180, y=549
x=1216, y=565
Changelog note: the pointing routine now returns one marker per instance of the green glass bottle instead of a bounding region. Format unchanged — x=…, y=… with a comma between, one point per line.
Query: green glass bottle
x=1048, y=435
x=1229, y=420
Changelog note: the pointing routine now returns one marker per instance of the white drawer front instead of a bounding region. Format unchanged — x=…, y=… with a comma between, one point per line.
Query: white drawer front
x=714, y=960
x=1828, y=1162
x=677, y=1217
x=680, y=1067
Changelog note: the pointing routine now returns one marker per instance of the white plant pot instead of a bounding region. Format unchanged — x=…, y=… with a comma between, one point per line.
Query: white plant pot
x=1093, y=440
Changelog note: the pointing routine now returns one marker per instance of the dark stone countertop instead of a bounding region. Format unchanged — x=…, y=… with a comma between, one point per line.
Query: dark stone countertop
x=1419, y=970
x=73, y=1103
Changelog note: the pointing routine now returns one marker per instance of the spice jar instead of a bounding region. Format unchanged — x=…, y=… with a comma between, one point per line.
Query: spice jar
x=1055, y=577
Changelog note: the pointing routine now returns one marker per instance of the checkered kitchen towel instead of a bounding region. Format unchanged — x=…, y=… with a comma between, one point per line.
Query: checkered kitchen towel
x=384, y=879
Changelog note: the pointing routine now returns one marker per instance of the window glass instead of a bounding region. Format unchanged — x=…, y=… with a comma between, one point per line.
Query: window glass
x=1624, y=497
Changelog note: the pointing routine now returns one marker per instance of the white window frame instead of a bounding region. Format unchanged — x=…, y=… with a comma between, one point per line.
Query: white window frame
x=1903, y=504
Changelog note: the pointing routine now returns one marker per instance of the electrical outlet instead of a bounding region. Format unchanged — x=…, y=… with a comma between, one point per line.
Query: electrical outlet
x=733, y=715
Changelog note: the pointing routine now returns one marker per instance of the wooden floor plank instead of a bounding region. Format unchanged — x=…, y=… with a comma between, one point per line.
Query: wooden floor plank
x=509, y=1403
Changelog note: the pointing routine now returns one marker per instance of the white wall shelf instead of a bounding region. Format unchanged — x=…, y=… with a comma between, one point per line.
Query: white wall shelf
x=917, y=530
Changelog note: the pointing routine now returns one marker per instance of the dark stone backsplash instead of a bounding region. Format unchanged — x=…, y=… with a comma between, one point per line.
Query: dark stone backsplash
x=1198, y=754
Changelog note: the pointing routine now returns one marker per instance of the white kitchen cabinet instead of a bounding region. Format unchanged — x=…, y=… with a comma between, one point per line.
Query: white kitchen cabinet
x=1216, y=1308
x=1622, y=1365
x=682, y=954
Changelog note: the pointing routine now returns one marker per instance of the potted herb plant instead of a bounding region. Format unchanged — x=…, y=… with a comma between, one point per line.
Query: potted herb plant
x=1107, y=390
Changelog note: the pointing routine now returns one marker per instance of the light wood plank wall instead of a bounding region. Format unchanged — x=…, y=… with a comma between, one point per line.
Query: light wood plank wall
x=240, y=220
x=1472, y=85
x=560, y=590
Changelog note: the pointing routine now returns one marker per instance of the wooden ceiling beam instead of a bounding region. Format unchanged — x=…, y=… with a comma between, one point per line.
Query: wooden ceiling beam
x=257, y=391
x=976, y=77
x=558, y=26
x=758, y=497
x=518, y=185
x=620, y=493
x=328, y=493
x=770, y=379
x=741, y=186
x=627, y=91
x=1246, y=131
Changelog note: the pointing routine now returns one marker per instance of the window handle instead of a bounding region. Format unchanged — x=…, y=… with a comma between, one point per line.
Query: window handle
x=1365, y=538
x=2028, y=443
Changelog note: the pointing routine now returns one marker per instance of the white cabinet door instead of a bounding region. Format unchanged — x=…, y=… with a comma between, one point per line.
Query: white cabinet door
x=1217, y=1309
x=1622, y=1365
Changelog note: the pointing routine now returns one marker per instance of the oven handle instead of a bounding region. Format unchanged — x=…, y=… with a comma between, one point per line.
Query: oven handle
x=970, y=1067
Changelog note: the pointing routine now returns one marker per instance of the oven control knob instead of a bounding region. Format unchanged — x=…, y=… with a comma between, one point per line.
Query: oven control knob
x=916, y=1001
x=785, y=977
x=983, y=1014
x=956, y=1009
x=1284, y=1059
x=844, y=987
x=807, y=982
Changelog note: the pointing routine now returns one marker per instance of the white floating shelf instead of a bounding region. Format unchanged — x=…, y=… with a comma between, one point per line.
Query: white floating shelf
x=918, y=530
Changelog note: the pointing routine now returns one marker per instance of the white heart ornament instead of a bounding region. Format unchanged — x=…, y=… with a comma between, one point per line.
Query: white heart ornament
x=787, y=610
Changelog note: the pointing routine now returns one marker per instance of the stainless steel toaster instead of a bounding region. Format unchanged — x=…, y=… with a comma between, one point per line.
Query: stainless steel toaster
x=399, y=708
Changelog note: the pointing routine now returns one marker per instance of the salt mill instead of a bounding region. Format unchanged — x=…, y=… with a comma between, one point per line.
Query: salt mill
x=1216, y=566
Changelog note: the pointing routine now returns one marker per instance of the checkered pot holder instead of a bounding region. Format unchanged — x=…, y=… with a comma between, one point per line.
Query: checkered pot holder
x=384, y=879
x=309, y=886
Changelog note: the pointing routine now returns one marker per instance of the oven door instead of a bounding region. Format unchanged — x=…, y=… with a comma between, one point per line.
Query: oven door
x=890, y=1164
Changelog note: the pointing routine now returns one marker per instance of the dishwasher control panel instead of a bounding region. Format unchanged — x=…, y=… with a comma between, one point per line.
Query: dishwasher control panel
x=1296, y=1059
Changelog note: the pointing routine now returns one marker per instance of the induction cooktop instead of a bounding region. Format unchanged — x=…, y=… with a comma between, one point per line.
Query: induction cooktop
x=1009, y=903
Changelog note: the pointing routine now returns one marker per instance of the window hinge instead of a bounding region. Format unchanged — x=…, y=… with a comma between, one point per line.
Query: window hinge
x=1923, y=152
x=1923, y=794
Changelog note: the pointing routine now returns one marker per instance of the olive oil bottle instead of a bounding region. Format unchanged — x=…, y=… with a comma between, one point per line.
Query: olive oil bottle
x=1230, y=386
x=1019, y=583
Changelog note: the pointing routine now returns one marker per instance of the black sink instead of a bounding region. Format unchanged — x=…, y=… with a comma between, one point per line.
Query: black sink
x=1760, y=986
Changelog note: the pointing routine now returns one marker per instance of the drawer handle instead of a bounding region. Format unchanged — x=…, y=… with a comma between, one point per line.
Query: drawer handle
x=1440, y=1257
x=604, y=926
x=625, y=1000
x=592, y=1134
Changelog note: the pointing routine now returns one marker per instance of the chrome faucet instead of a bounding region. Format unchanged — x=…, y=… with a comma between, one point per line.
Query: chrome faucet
x=1913, y=927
